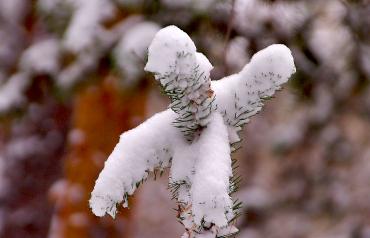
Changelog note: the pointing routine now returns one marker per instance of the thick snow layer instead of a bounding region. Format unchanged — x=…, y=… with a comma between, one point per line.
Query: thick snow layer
x=138, y=152
x=166, y=45
x=210, y=184
x=41, y=57
x=132, y=50
x=240, y=96
x=11, y=92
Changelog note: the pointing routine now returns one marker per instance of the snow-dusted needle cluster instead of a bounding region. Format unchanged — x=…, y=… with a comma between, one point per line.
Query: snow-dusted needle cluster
x=195, y=136
x=184, y=75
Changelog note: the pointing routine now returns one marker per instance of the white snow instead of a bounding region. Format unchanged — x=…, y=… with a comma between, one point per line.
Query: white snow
x=210, y=198
x=240, y=96
x=183, y=161
x=167, y=43
x=184, y=76
x=138, y=152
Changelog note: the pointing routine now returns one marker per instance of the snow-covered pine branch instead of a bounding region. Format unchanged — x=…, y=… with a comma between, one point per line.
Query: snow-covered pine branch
x=195, y=135
x=184, y=75
x=240, y=96
x=138, y=152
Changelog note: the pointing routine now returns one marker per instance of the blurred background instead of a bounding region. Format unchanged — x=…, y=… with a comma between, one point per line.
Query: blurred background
x=72, y=80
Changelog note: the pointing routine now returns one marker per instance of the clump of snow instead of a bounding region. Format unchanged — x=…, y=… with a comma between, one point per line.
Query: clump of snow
x=195, y=135
x=132, y=50
x=166, y=45
x=184, y=75
x=241, y=95
x=210, y=184
x=11, y=92
x=41, y=58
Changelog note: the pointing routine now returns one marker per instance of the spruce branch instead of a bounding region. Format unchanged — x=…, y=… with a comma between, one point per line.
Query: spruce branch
x=195, y=136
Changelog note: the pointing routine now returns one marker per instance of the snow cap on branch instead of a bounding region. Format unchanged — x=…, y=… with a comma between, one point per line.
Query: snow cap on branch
x=210, y=184
x=138, y=152
x=184, y=75
x=240, y=96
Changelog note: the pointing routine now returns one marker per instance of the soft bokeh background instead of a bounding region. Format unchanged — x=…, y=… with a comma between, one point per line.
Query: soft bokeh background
x=72, y=80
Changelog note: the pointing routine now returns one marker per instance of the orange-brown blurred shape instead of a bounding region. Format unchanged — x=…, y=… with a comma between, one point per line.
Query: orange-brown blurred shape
x=100, y=114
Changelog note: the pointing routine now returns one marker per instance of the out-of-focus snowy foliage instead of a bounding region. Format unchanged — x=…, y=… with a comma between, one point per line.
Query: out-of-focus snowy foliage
x=11, y=92
x=304, y=161
x=85, y=28
x=132, y=50
x=41, y=58
x=201, y=167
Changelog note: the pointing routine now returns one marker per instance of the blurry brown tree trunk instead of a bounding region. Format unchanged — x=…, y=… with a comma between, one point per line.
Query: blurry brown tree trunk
x=100, y=114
